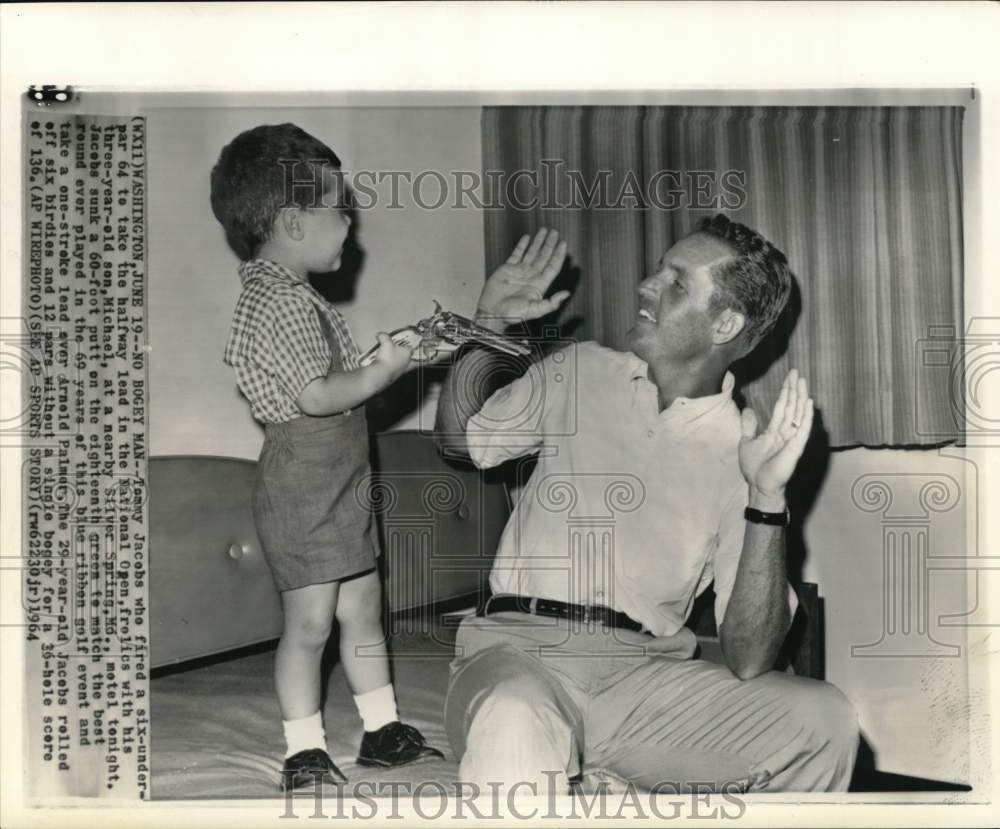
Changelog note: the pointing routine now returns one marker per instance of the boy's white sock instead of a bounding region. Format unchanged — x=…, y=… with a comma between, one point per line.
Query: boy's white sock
x=377, y=708
x=303, y=733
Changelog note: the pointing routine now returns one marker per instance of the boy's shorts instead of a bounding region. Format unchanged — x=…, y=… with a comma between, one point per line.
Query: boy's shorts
x=311, y=501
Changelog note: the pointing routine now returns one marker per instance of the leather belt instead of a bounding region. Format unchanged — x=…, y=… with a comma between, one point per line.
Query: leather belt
x=505, y=603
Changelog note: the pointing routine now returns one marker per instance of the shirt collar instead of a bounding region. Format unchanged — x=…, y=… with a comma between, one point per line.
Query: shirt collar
x=266, y=268
x=691, y=406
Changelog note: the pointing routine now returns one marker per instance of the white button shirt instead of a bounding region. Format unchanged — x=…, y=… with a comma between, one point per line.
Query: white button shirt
x=628, y=507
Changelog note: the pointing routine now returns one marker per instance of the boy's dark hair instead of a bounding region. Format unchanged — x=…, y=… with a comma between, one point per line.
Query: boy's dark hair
x=756, y=281
x=262, y=171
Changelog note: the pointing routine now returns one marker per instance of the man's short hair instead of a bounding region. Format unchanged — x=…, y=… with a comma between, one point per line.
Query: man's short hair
x=262, y=171
x=756, y=281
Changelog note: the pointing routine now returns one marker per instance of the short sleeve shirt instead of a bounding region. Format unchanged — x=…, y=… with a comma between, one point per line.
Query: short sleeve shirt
x=284, y=335
x=628, y=507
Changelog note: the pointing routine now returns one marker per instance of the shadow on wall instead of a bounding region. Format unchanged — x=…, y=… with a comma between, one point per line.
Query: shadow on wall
x=407, y=394
x=339, y=286
x=811, y=472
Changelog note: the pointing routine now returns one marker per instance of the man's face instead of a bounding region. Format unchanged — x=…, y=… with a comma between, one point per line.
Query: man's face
x=674, y=318
x=327, y=225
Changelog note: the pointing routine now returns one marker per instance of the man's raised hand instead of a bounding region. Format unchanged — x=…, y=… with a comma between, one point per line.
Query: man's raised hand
x=515, y=291
x=768, y=459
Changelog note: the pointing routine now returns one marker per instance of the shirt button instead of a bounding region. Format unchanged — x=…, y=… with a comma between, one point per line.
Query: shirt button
x=650, y=433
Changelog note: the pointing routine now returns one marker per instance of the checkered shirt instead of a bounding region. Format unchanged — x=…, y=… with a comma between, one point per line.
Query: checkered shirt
x=277, y=344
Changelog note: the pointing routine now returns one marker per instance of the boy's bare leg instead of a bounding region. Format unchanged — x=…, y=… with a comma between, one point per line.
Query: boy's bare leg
x=309, y=615
x=387, y=742
x=362, y=638
x=309, y=611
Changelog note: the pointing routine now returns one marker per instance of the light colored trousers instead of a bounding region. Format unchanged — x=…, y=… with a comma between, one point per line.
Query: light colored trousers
x=541, y=700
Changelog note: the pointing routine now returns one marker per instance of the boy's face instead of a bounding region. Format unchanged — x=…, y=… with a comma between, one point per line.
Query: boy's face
x=326, y=226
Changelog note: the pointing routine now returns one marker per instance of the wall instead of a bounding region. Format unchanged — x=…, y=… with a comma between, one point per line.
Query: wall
x=411, y=256
x=912, y=691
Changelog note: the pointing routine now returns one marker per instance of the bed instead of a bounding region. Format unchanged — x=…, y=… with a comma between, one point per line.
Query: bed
x=215, y=616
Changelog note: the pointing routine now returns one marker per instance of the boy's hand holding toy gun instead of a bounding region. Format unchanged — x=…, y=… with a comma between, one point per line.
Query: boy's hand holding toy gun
x=444, y=332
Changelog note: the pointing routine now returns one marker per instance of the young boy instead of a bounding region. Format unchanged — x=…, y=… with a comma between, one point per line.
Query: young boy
x=297, y=364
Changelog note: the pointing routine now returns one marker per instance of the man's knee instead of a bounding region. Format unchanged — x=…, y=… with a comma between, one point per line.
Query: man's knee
x=520, y=713
x=828, y=714
x=516, y=734
x=516, y=706
x=842, y=719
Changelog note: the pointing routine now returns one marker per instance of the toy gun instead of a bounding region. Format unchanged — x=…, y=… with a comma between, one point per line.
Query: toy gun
x=444, y=332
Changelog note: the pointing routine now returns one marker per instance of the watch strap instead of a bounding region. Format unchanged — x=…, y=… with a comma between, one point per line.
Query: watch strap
x=774, y=519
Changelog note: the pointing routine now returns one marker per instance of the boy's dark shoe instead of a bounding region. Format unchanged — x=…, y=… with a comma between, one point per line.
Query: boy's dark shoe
x=302, y=769
x=395, y=744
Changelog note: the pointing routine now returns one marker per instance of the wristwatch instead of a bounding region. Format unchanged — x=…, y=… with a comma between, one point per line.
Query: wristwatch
x=774, y=519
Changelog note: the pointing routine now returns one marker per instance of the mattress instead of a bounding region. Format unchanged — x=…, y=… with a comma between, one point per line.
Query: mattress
x=216, y=729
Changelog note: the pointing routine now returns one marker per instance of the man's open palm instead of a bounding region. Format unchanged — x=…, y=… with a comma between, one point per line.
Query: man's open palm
x=768, y=459
x=516, y=290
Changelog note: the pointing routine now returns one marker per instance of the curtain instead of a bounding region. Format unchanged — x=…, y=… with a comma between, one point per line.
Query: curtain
x=864, y=201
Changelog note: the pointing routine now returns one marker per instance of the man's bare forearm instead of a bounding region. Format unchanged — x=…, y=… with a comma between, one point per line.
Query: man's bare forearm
x=470, y=382
x=757, y=616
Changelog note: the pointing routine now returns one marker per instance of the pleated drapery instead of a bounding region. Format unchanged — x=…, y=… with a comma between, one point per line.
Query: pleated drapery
x=864, y=201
